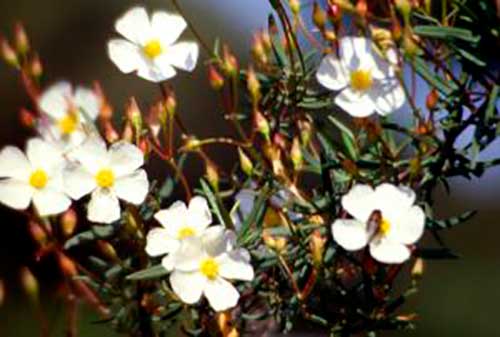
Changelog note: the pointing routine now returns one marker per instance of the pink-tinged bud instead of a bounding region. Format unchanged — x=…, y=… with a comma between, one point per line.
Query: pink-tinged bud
x=29, y=283
x=229, y=63
x=362, y=8
x=27, y=118
x=134, y=115
x=36, y=67
x=319, y=16
x=128, y=132
x=266, y=40
x=67, y=265
x=317, y=246
x=144, y=146
x=21, y=39
x=253, y=86
x=280, y=141
x=69, y=221
x=261, y=124
x=37, y=233
x=245, y=163
x=296, y=154
x=215, y=78
x=334, y=12
x=110, y=133
x=294, y=6
x=105, y=109
x=171, y=104
x=212, y=175
x=418, y=269
x=432, y=99
x=273, y=153
x=2, y=292
x=258, y=49
x=9, y=54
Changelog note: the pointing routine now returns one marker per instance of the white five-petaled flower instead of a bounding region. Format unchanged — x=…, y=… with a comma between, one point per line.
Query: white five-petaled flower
x=151, y=49
x=178, y=223
x=202, y=265
x=367, y=83
x=385, y=218
x=109, y=175
x=35, y=176
x=68, y=113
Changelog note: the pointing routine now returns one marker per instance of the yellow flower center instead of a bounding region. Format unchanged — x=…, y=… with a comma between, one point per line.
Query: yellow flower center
x=210, y=268
x=361, y=80
x=39, y=179
x=67, y=124
x=185, y=232
x=384, y=227
x=152, y=49
x=105, y=178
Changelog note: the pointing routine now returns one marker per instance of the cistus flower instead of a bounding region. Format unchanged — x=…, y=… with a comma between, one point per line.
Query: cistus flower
x=35, y=176
x=150, y=47
x=178, y=223
x=69, y=112
x=385, y=218
x=202, y=265
x=108, y=175
x=367, y=82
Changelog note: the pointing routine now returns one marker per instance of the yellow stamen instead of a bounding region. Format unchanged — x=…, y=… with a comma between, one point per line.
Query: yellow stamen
x=68, y=123
x=384, y=227
x=39, y=179
x=210, y=268
x=152, y=49
x=361, y=80
x=105, y=178
x=185, y=232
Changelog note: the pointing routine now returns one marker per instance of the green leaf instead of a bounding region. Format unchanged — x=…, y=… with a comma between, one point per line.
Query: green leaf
x=216, y=204
x=148, y=274
x=440, y=32
x=96, y=232
x=450, y=222
x=422, y=68
x=492, y=101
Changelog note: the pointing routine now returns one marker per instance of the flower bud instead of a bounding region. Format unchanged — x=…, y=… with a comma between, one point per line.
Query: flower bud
x=8, y=54
x=305, y=128
x=21, y=39
x=294, y=6
x=212, y=175
x=2, y=292
x=128, y=132
x=409, y=46
x=171, y=104
x=29, y=283
x=330, y=35
x=133, y=113
x=144, y=146
x=317, y=246
x=191, y=144
x=245, y=163
x=277, y=244
x=107, y=250
x=262, y=124
x=266, y=40
x=215, y=78
x=67, y=265
x=334, y=12
x=418, y=268
x=37, y=233
x=432, y=99
x=404, y=7
x=229, y=63
x=253, y=86
x=258, y=49
x=319, y=16
x=362, y=8
x=27, y=118
x=36, y=67
x=109, y=132
x=296, y=154
x=69, y=220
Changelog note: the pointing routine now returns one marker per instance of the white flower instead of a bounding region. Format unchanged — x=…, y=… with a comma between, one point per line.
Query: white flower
x=109, y=175
x=151, y=49
x=202, y=265
x=179, y=222
x=385, y=218
x=70, y=114
x=366, y=82
x=35, y=176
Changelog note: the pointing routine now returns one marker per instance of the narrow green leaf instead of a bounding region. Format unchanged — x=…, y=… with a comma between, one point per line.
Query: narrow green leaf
x=149, y=273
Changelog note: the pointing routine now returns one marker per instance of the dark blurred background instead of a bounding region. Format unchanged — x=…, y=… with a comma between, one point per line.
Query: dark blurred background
x=456, y=298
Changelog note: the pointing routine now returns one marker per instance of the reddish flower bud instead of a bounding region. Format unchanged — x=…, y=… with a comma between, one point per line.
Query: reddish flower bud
x=215, y=78
x=8, y=53
x=27, y=118
x=319, y=17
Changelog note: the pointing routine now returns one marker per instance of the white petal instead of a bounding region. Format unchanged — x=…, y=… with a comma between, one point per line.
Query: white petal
x=158, y=242
x=16, y=194
x=182, y=55
x=103, y=206
x=393, y=198
x=168, y=27
x=14, y=164
x=188, y=286
x=234, y=265
x=199, y=215
x=221, y=294
x=49, y=202
x=331, y=74
x=134, y=25
x=354, y=103
x=350, y=234
x=44, y=155
x=132, y=188
x=168, y=262
x=173, y=218
x=359, y=202
x=87, y=100
x=156, y=74
x=215, y=240
x=78, y=181
x=407, y=226
x=388, y=96
x=125, y=158
x=189, y=255
x=356, y=52
x=54, y=100
x=92, y=154
x=125, y=55
x=387, y=251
